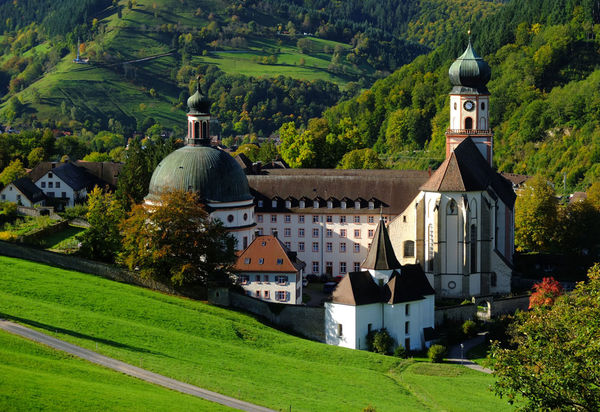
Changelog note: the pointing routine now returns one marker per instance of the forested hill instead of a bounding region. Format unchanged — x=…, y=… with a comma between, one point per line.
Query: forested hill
x=545, y=100
x=143, y=56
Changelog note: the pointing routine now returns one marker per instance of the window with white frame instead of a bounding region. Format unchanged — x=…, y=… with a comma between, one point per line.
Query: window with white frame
x=357, y=204
x=371, y=219
x=300, y=218
x=260, y=203
x=300, y=246
x=329, y=219
x=342, y=219
x=356, y=266
x=329, y=247
x=274, y=203
x=301, y=232
x=343, y=204
x=315, y=218
x=315, y=204
x=288, y=204
x=343, y=247
x=315, y=267
x=329, y=204
x=342, y=268
x=342, y=232
x=302, y=204
x=371, y=205
x=273, y=218
x=357, y=233
x=357, y=248
x=288, y=245
x=287, y=232
x=370, y=233
x=281, y=280
x=247, y=260
x=315, y=246
x=287, y=218
x=259, y=218
x=356, y=219
x=315, y=232
x=328, y=233
x=281, y=295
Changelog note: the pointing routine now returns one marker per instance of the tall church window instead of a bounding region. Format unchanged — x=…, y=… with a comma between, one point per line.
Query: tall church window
x=468, y=123
x=473, y=248
x=409, y=248
x=430, y=247
x=451, y=208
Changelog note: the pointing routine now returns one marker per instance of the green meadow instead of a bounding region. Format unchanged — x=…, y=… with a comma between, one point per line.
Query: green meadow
x=227, y=351
x=35, y=377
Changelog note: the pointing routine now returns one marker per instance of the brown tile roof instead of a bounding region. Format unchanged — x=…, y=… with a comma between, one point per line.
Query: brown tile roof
x=408, y=285
x=269, y=250
x=357, y=288
x=466, y=170
x=395, y=189
x=381, y=254
x=515, y=179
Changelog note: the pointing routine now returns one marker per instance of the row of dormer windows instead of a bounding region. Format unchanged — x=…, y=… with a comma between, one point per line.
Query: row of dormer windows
x=315, y=219
x=316, y=203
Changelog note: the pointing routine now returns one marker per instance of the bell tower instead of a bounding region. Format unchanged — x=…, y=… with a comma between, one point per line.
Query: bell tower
x=198, y=119
x=469, y=103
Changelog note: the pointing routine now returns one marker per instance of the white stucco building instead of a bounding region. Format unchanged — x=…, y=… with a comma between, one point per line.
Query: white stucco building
x=385, y=294
x=23, y=192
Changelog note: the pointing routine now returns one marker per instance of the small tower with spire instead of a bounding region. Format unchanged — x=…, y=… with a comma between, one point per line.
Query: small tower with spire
x=198, y=118
x=381, y=260
x=469, y=103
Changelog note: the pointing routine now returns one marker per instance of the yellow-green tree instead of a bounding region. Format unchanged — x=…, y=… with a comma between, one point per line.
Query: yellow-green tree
x=12, y=172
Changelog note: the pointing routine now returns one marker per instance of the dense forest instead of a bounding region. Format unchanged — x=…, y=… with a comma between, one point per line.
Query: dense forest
x=544, y=107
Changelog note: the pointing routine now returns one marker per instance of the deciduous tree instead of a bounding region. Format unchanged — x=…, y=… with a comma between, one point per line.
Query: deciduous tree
x=554, y=365
x=176, y=242
x=12, y=172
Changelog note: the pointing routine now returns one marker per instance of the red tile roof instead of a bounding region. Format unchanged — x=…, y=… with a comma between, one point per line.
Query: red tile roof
x=269, y=250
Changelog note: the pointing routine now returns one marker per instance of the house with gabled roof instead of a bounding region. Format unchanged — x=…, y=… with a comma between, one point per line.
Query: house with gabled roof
x=269, y=271
x=68, y=183
x=384, y=294
x=23, y=192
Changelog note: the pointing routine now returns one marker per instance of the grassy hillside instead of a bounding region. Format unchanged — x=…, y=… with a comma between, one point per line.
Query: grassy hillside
x=34, y=377
x=227, y=351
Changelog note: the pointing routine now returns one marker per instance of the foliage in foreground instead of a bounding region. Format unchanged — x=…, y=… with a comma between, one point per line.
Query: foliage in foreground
x=176, y=242
x=555, y=363
x=436, y=353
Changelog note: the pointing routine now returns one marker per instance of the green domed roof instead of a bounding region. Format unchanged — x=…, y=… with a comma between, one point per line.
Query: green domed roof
x=210, y=172
x=470, y=73
x=198, y=103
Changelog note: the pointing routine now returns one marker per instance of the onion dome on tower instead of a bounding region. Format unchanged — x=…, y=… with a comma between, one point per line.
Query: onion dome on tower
x=469, y=73
x=198, y=103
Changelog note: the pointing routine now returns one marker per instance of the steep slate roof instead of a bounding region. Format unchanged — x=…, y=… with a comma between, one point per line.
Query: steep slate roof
x=395, y=188
x=270, y=249
x=381, y=254
x=106, y=171
x=29, y=190
x=408, y=285
x=466, y=170
x=357, y=288
x=77, y=177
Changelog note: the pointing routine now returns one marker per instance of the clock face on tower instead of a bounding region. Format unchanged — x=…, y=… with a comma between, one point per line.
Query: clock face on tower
x=469, y=105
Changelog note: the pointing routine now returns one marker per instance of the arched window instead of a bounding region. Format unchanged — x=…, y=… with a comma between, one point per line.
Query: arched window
x=468, y=123
x=409, y=248
x=454, y=105
x=430, y=247
x=451, y=208
x=196, y=130
x=473, y=248
x=204, y=130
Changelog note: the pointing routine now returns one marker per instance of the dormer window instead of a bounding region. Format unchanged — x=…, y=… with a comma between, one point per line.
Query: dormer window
x=302, y=204
x=274, y=203
x=316, y=204
x=343, y=204
x=288, y=204
x=49, y=175
x=260, y=203
x=357, y=204
x=329, y=204
x=371, y=205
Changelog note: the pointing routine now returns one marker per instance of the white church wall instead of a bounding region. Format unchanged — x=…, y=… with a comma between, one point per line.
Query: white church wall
x=451, y=286
x=474, y=284
x=367, y=315
x=404, y=228
x=345, y=315
x=503, y=275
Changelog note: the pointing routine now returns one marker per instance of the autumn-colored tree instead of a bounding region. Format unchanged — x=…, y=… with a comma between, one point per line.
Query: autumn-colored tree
x=554, y=362
x=176, y=242
x=102, y=241
x=545, y=293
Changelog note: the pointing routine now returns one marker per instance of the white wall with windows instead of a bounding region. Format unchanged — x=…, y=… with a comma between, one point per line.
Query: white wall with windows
x=53, y=186
x=273, y=287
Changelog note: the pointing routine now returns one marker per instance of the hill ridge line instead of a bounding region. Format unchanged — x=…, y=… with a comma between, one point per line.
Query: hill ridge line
x=119, y=366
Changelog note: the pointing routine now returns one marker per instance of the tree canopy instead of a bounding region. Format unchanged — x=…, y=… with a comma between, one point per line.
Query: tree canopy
x=554, y=365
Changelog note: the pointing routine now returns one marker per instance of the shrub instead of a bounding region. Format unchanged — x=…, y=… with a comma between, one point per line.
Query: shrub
x=436, y=353
x=369, y=408
x=469, y=328
x=400, y=352
x=382, y=342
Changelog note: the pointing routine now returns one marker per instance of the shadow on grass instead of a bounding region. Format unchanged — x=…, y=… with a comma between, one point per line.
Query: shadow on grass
x=74, y=334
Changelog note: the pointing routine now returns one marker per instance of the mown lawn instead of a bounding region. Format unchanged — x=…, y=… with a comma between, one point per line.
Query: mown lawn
x=226, y=351
x=65, y=241
x=35, y=377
